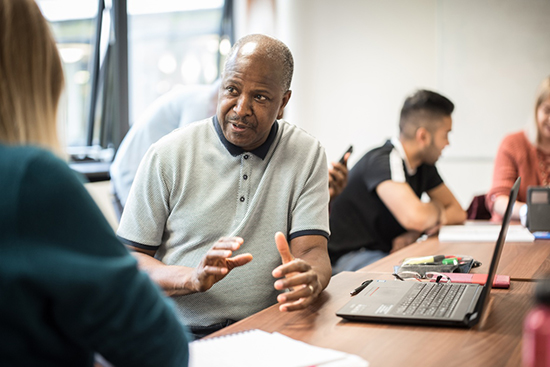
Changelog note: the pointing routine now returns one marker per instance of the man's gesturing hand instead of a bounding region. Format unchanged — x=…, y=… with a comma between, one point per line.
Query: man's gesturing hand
x=217, y=263
x=299, y=277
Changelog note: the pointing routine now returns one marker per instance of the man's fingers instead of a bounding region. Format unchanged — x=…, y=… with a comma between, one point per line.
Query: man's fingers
x=228, y=243
x=239, y=260
x=337, y=174
x=346, y=157
x=215, y=270
x=282, y=246
x=296, y=305
x=296, y=293
x=294, y=274
x=218, y=254
x=332, y=175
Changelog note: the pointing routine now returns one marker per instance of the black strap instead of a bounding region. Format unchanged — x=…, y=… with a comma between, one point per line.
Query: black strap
x=202, y=331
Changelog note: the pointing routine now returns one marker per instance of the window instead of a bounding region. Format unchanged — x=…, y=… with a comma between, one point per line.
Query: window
x=171, y=43
x=73, y=26
x=111, y=78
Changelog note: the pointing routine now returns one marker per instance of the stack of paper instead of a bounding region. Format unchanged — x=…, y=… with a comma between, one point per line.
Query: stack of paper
x=260, y=348
x=483, y=232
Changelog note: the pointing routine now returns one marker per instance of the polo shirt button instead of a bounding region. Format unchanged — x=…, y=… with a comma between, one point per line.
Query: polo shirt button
x=241, y=199
x=245, y=156
x=245, y=177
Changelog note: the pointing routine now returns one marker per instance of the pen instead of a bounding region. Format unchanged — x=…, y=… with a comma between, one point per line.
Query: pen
x=361, y=287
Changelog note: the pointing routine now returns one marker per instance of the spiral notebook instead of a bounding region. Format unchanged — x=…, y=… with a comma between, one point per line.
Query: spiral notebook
x=259, y=348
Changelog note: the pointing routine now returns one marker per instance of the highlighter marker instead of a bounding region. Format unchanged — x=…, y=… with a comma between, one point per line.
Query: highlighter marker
x=424, y=260
x=451, y=256
x=450, y=261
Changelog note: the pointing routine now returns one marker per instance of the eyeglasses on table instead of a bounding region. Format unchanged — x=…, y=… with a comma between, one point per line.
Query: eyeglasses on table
x=429, y=275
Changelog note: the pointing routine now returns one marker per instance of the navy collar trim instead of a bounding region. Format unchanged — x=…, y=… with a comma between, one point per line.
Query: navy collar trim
x=260, y=152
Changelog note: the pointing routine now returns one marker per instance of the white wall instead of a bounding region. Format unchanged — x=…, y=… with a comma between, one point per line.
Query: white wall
x=357, y=60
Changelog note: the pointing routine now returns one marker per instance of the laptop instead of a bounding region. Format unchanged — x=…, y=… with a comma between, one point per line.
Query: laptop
x=428, y=303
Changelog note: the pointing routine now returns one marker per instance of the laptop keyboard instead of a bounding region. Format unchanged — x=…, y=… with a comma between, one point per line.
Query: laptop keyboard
x=430, y=299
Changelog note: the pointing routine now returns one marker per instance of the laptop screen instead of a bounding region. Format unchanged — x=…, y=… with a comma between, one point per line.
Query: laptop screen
x=482, y=304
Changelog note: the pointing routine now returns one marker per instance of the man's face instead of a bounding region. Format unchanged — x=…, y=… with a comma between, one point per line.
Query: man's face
x=439, y=140
x=251, y=98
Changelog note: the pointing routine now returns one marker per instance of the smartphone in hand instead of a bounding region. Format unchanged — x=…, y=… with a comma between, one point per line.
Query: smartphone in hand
x=350, y=150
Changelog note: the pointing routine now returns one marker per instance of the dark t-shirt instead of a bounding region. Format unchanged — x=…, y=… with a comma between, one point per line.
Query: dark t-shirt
x=358, y=217
x=68, y=287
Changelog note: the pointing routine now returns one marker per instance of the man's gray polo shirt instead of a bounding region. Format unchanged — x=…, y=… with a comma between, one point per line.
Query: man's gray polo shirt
x=193, y=187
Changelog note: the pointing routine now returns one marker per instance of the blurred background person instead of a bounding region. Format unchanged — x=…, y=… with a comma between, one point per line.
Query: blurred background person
x=338, y=177
x=175, y=109
x=69, y=288
x=380, y=210
x=524, y=154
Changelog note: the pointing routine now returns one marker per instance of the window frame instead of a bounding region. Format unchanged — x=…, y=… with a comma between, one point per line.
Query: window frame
x=108, y=103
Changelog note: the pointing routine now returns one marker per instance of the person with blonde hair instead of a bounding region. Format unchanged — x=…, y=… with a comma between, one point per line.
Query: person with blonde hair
x=524, y=154
x=69, y=289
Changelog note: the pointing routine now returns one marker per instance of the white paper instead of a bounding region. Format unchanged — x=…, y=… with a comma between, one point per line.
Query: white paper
x=483, y=232
x=260, y=348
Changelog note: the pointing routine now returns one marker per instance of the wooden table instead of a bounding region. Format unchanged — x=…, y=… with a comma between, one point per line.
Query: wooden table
x=495, y=343
x=520, y=260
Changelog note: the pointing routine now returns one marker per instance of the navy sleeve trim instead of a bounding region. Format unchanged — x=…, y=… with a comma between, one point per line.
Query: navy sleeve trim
x=136, y=244
x=308, y=232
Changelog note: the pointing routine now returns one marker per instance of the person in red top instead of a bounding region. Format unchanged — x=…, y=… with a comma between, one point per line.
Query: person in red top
x=524, y=154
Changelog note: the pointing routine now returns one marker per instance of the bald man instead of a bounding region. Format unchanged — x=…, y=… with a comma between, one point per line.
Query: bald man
x=229, y=214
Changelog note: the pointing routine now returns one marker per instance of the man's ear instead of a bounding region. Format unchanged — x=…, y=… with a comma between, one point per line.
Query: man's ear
x=284, y=102
x=423, y=137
